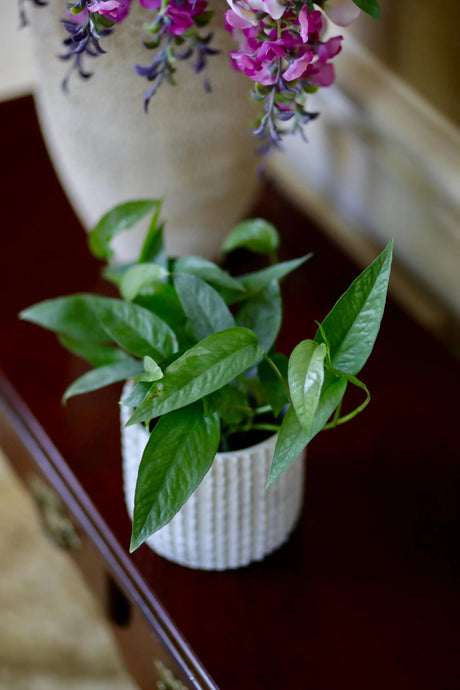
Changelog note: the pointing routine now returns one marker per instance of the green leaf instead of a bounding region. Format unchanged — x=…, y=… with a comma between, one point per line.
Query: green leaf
x=272, y=388
x=135, y=329
x=371, y=7
x=331, y=394
x=253, y=282
x=230, y=403
x=256, y=234
x=152, y=371
x=103, y=376
x=204, y=368
x=179, y=453
x=262, y=313
x=351, y=415
x=306, y=377
x=153, y=249
x=161, y=299
x=351, y=327
x=204, y=307
x=73, y=316
x=292, y=437
x=138, y=277
x=291, y=441
x=114, y=274
x=120, y=218
x=96, y=354
x=208, y=271
x=137, y=395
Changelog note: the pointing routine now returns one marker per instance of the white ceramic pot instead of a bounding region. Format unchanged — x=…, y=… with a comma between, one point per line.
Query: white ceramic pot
x=230, y=520
x=192, y=148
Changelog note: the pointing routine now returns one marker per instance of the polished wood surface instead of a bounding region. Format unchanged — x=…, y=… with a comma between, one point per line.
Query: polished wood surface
x=365, y=594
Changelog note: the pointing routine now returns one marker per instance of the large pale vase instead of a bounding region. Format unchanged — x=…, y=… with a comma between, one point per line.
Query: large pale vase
x=193, y=148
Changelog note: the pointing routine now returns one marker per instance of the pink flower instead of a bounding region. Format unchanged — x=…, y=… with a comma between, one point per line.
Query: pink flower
x=320, y=74
x=236, y=21
x=341, y=12
x=181, y=20
x=116, y=10
x=311, y=24
x=274, y=8
x=330, y=48
x=298, y=67
x=247, y=9
x=150, y=4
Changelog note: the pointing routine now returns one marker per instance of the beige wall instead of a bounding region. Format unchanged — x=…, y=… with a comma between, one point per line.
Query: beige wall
x=419, y=40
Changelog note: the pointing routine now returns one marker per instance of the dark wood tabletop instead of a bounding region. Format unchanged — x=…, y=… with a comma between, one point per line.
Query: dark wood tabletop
x=365, y=593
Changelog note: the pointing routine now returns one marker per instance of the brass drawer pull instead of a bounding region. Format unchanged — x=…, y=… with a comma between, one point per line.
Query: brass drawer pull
x=52, y=515
x=167, y=679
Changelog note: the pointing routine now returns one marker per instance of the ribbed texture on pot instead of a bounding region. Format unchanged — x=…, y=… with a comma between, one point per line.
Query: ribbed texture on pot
x=230, y=520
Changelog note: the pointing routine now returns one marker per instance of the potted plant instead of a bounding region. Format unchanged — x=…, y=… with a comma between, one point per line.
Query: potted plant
x=194, y=146
x=212, y=414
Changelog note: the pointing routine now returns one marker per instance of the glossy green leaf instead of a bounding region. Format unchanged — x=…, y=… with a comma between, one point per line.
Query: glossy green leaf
x=114, y=273
x=291, y=441
x=179, y=453
x=292, y=437
x=103, y=376
x=162, y=300
x=137, y=394
x=152, y=372
x=73, y=316
x=262, y=313
x=272, y=388
x=258, y=280
x=371, y=7
x=204, y=307
x=122, y=217
x=256, y=234
x=138, y=277
x=306, y=377
x=204, y=368
x=135, y=329
x=351, y=327
x=96, y=354
x=153, y=249
x=208, y=271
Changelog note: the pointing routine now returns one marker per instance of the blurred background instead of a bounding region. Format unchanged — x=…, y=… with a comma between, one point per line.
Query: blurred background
x=383, y=161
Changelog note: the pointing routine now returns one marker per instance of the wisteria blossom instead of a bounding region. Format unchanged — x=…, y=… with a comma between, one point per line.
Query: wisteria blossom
x=279, y=45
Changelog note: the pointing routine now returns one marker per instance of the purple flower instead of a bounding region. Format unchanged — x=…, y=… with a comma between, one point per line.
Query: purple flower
x=248, y=9
x=150, y=4
x=115, y=10
x=279, y=47
x=181, y=20
x=320, y=74
x=330, y=48
x=298, y=67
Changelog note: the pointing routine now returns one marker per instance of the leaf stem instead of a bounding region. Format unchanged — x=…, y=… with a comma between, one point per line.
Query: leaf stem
x=266, y=427
x=348, y=417
x=278, y=373
x=262, y=410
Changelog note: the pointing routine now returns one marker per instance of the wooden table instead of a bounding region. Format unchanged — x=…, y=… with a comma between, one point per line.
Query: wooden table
x=364, y=594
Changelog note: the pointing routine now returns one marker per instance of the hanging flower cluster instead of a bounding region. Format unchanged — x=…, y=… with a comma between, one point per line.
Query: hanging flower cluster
x=281, y=50
x=279, y=46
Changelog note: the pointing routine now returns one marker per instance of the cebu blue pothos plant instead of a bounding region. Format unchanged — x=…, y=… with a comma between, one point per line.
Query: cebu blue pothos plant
x=279, y=44
x=199, y=345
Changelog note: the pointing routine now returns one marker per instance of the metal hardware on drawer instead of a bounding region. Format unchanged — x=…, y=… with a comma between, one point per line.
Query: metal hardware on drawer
x=52, y=514
x=167, y=680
